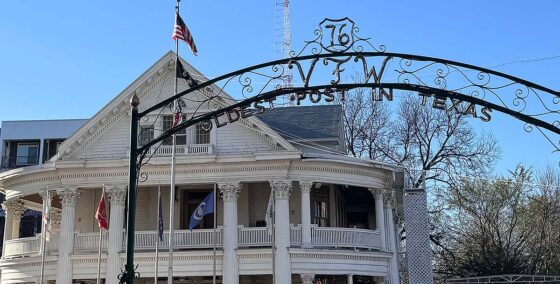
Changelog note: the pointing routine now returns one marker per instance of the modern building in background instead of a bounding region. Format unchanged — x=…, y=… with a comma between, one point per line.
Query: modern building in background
x=30, y=143
x=336, y=218
x=33, y=142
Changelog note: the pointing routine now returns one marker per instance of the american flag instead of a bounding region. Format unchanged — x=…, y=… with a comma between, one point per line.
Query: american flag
x=178, y=116
x=180, y=31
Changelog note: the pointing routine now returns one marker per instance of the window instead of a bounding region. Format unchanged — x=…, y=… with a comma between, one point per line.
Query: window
x=321, y=207
x=146, y=135
x=201, y=136
x=181, y=136
x=51, y=148
x=27, y=154
x=191, y=201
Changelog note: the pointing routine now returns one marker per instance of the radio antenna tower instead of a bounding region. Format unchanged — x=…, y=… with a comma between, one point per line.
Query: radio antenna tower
x=283, y=44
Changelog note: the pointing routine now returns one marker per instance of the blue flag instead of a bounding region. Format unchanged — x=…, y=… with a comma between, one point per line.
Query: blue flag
x=205, y=207
x=160, y=222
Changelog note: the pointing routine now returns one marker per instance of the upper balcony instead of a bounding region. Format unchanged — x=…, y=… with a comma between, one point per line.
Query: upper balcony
x=182, y=150
x=248, y=237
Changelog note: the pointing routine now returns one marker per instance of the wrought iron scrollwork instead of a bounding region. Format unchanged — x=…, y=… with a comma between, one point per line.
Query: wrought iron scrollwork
x=337, y=36
x=336, y=61
x=328, y=65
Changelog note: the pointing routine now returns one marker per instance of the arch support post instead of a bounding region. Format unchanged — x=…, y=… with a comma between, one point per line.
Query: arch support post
x=418, y=252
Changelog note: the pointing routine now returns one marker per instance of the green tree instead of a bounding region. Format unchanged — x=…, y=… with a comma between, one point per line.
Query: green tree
x=502, y=226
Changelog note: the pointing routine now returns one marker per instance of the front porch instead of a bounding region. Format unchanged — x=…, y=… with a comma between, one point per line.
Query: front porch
x=252, y=237
x=326, y=219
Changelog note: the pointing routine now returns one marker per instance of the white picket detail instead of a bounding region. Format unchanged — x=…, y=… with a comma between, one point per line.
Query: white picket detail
x=181, y=150
x=205, y=239
x=254, y=237
x=52, y=244
x=89, y=242
x=345, y=237
x=295, y=235
x=198, y=238
x=201, y=149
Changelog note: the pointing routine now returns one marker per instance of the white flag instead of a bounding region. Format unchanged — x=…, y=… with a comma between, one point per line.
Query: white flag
x=269, y=213
x=46, y=218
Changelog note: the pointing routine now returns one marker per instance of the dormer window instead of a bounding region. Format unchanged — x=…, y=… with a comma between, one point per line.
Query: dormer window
x=202, y=136
x=181, y=136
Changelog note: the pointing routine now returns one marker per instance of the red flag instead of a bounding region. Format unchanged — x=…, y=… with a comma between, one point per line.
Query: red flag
x=101, y=214
x=180, y=31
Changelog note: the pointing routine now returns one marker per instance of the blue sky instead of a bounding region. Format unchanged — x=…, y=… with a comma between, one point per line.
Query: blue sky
x=66, y=59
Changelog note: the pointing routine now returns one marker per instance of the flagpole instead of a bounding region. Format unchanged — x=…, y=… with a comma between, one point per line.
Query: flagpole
x=273, y=237
x=172, y=191
x=157, y=238
x=43, y=236
x=214, y=256
x=99, y=245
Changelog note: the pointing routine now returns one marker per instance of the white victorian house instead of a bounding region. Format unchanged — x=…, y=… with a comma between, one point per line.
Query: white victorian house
x=336, y=217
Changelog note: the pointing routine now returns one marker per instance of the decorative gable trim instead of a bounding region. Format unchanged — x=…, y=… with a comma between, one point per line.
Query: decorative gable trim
x=118, y=108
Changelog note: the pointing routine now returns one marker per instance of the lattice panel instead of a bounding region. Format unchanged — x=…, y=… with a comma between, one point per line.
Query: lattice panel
x=418, y=253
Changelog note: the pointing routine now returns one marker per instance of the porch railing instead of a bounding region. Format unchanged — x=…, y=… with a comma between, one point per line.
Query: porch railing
x=345, y=238
x=321, y=237
x=194, y=149
x=183, y=239
x=29, y=246
x=23, y=246
x=85, y=242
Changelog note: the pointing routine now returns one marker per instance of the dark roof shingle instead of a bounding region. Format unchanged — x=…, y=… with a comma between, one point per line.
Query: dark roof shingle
x=305, y=122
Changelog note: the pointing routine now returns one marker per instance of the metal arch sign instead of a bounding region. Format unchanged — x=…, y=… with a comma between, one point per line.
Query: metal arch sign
x=321, y=64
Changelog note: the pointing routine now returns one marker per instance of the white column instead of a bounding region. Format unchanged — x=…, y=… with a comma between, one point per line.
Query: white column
x=350, y=279
x=230, y=191
x=117, y=197
x=389, y=198
x=379, y=215
x=307, y=278
x=68, y=198
x=13, y=208
x=282, y=263
x=305, y=187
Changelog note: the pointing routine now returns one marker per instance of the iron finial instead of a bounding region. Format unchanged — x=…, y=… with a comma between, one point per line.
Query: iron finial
x=135, y=101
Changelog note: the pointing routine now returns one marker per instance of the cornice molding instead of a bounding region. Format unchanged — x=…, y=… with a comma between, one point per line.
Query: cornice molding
x=115, y=110
x=116, y=171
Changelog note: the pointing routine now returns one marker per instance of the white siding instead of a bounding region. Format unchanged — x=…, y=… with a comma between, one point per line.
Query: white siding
x=243, y=206
x=295, y=206
x=85, y=210
x=111, y=144
x=235, y=139
x=258, y=198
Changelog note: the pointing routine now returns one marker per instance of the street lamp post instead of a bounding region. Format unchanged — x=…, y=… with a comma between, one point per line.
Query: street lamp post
x=128, y=275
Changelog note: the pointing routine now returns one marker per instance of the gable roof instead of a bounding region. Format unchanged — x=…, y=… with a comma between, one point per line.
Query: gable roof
x=319, y=122
x=119, y=107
